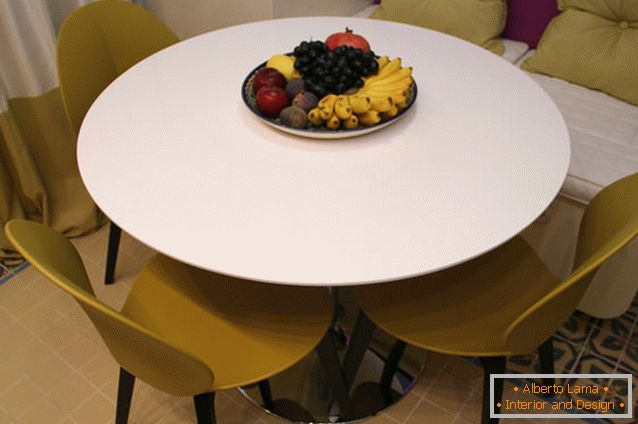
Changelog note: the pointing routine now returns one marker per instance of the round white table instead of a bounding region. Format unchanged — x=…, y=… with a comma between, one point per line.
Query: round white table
x=172, y=155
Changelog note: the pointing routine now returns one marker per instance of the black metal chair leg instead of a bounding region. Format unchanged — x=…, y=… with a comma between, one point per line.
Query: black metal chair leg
x=205, y=408
x=111, y=255
x=124, y=395
x=266, y=394
x=390, y=369
x=330, y=361
x=361, y=337
x=546, y=358
x=492, y=365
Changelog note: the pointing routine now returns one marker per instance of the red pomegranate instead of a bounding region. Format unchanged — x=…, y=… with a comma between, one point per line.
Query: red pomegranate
x=347, y=38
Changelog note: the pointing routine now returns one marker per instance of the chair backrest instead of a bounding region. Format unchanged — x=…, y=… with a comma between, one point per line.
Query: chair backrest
x=609, y=223
x=134, y=347
x=97, y=43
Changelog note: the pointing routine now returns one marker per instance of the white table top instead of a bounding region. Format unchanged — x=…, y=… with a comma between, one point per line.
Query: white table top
x=172, y=155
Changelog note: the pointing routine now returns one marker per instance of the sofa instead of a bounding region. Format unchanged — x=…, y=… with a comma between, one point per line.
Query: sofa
x=594, y=83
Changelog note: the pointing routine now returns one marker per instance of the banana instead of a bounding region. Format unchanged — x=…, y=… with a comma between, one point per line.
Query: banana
x=381, y=104
x=326, y=106
x=351, y=122
x=393, y=90
x=393, y=66
x=342, y=107
x=360, y=103
x=400, y=100
x=401, y=74
x=382, y=61
x=399, y=85
x=371, y=117
x=390, y=113
x=314, y=116
x=333, y=122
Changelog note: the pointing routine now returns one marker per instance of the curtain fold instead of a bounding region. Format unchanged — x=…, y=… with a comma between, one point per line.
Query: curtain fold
x=39, y=177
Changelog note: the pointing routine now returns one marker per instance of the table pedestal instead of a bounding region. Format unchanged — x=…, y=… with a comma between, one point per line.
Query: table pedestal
x=304, y=393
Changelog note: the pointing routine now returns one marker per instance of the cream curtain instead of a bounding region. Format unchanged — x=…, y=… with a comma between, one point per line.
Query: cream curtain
x=39, y=178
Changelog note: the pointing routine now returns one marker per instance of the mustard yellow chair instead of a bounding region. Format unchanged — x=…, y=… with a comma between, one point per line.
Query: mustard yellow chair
x=96, y=44
x=183, y=330
x=504, y=303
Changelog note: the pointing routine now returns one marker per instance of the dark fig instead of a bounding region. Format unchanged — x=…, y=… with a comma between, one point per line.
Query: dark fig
x=294, y=117
x=305, y=101
x=294, y=87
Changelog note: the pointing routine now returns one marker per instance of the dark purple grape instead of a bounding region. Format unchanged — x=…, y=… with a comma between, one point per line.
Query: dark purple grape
x=373, y=67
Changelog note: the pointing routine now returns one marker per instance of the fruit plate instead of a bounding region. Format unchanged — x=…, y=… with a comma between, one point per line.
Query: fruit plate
x=310, y=130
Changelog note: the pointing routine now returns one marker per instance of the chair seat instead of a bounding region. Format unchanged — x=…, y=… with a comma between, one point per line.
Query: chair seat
x=464, y=310
x=244, y=331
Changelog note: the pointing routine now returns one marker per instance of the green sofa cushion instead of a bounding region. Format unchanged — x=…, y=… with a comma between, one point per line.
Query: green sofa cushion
x=477, y=21
x=593, y=43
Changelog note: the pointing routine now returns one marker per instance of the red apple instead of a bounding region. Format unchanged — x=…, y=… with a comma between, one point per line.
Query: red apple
x=347, y=38
x=272, y=100
x=268, y=77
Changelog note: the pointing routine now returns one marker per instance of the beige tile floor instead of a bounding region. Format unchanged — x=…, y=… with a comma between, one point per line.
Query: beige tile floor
x=55, y=369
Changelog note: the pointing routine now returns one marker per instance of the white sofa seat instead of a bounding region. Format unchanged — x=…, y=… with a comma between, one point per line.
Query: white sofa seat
x=604, y=136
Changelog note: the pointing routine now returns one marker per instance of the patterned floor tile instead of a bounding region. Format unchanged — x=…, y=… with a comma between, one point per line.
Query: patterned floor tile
x=620, y=327
x=633, y=309
x=576, y=329
x=521, y=364
x=590, y=363
x=606, y=345
x=629, y=359
x=565, y=357
x=633, y=338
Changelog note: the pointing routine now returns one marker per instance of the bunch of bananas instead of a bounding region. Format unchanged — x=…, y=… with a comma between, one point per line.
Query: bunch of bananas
x=381, y=97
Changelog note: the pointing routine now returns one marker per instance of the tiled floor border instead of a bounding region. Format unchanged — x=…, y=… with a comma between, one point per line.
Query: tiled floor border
x=12, y=272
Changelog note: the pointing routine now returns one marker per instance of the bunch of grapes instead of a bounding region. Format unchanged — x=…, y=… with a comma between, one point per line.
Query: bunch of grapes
x=337, y=71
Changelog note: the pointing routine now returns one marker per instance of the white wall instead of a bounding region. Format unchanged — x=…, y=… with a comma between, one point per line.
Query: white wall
x=290, y=8
x=192, y=17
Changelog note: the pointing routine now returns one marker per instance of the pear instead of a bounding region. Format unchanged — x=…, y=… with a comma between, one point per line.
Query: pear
x=284, y=64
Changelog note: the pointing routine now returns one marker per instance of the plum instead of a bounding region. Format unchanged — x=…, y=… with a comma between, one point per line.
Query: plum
x=271, y=101
x=268, y=77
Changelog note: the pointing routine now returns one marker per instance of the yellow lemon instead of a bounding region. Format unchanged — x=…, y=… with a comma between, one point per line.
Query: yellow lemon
x=284, y=64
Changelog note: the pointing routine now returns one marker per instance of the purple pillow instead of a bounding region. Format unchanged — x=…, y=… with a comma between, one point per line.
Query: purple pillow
x=527, y=19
